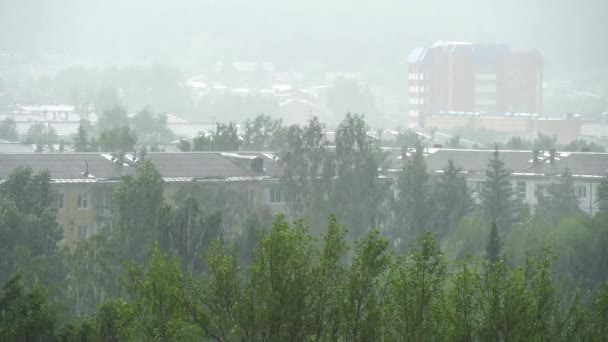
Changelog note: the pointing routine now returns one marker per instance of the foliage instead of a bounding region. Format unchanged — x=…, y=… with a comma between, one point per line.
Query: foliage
x=581, y=145
x=452, y=198
x=225, y=138
x=558, y=200
x=28, y=229
x=117, y=139
x=112, y=118
x=356, y=171
x=263, y=133
x=8, y=130
x=412, y=207
x=497, y=194
x=25, y=315
x=40, y=133
x=151, y=129
x=140, y=213
x=494, y=246
x=81, y=142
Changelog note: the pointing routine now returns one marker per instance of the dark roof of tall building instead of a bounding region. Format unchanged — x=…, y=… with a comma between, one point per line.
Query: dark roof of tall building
x=187, y=165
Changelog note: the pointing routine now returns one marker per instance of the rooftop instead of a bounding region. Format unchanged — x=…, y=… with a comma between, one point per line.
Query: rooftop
x=187, y=165
x=579, y=164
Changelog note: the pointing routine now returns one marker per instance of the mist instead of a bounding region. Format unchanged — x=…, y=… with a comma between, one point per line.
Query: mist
x=201, y=170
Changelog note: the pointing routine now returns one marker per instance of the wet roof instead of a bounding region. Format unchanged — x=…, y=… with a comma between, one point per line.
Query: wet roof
x=582, y=164
x=191, y=165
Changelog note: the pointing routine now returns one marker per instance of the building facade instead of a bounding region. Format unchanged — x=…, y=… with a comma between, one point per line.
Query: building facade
x=84, y=183
x=461, y=77
x=530, y=173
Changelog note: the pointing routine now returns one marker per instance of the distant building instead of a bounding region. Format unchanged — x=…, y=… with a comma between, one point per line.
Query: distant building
x=531, y=173
x=452, y=77
x=85, y=182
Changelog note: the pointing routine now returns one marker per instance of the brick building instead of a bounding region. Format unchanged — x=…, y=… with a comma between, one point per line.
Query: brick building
x=460, y=77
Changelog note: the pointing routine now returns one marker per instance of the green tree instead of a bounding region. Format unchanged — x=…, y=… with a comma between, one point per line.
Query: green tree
x=497, y=195
x=280, y=281
x=112, y=118
x=356, y=167
x=190, y=232
x=25, y=315
x=225, y=137
x=40, y=133
x=558, y=200
x=202, y=143
x=28, y=227
x=412, y=205
x=8, y=130
x=494, y=246
x=415, y=291
x=581, y=145
x=452, y=198
x=308, y=168
x=184, y=145
x=150, y=128
x=263, y=133
x=157, y=297
x=140, y=213
x=118, y=139
x=361, y=310
x=81, y=142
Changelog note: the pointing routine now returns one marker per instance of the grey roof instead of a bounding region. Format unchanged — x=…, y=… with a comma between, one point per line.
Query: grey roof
x=582, y=164
x=192, y=165
x=60, y=165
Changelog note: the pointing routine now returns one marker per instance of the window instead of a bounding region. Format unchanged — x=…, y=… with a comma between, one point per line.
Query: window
x=83, y=200
x=250, y=195
x=520, y=190
x=581, y=191
x=59, y=200
x=275, y=195
x=82, y=231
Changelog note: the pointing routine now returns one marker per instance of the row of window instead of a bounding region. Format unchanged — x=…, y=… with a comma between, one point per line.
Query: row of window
x=415, y=100
x=416, y=76
x=580, y=190
x=83, y=198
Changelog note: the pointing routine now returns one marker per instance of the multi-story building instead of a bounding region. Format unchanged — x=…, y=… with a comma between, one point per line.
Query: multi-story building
x=85, y=182
x=459, y=77
x=530, y=172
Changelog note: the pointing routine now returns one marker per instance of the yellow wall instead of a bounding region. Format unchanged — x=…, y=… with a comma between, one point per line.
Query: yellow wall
x=71, y=217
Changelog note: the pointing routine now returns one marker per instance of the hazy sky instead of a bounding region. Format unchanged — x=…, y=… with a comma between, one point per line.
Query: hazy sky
x=342, y=34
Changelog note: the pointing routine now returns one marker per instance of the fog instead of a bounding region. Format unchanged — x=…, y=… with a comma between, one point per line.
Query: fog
x=344, y=35
x=198, y=170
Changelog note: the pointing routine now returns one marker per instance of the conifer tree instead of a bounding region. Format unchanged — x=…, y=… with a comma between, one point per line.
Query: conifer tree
x=494, y=245
x=497, y=194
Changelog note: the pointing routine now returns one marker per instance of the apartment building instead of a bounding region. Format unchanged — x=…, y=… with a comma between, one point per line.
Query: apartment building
x=85, y=182
x=461, y=77
x=530, y=172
